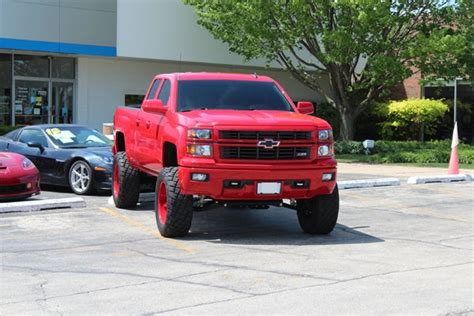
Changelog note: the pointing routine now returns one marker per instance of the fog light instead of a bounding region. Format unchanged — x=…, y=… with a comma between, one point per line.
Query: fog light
x=327, y=177
x=29, y=186
x=199, y=176
x=324, y=150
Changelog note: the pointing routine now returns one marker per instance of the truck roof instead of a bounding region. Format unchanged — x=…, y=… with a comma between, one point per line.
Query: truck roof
x=217, y=76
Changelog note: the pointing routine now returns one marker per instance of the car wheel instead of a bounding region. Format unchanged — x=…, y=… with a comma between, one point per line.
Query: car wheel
x=173, y=210
x=125, y=182
x=319, y=214
x=80, y=177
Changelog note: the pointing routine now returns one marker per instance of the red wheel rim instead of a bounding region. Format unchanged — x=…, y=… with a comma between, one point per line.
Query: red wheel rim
x=116, y=181
x=162, y=203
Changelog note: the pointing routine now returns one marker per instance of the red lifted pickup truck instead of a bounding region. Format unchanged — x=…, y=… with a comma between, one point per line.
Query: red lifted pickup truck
x=230, y=140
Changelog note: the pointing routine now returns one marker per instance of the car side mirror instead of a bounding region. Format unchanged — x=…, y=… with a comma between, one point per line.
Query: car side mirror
x=154, y=106
x=305, y=107
x=36, y=145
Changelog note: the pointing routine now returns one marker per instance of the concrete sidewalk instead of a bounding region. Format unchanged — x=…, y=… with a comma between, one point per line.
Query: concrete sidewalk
x=357, y=171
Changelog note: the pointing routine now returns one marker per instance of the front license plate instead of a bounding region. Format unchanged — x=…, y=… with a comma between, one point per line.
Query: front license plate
x=268, y=187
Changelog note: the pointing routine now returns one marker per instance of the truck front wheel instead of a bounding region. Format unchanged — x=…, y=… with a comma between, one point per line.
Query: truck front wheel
x=173, y=210
x=319, y=214
x=125, y=182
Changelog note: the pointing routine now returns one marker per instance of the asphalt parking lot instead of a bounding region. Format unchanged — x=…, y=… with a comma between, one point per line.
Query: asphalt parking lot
x=406, y=249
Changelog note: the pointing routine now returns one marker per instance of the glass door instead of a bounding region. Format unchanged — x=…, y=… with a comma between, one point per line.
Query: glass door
x=62, y=102
x=31, y=102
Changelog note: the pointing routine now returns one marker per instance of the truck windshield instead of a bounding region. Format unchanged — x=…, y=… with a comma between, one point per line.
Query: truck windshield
x=230, y=94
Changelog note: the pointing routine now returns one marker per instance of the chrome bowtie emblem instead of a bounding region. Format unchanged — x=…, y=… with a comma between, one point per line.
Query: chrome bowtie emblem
x=268, y=143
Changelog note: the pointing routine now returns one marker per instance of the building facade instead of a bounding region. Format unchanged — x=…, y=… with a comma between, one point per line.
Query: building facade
x=75, y=61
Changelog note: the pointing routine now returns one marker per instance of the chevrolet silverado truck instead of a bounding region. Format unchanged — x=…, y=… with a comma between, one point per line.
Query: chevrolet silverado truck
x=224, y=140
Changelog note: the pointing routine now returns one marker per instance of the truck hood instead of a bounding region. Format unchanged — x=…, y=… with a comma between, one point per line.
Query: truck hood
x=216, y=118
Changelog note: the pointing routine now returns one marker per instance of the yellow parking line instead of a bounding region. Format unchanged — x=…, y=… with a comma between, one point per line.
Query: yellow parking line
x=147, y=229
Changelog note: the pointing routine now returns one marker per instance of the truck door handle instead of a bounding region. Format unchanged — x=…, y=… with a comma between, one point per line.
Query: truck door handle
x=147, y=124
x=137, y=122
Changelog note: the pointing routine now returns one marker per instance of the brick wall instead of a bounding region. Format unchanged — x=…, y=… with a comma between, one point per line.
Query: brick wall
x=409, y=89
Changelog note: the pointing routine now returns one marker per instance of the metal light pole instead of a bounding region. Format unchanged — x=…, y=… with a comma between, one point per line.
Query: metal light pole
x=455, y=99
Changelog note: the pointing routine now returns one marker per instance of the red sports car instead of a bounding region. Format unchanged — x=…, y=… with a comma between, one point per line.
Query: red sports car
x=19, y=178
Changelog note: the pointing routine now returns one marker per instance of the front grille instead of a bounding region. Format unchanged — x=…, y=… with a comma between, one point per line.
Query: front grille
x=11, y=189
x=257, y=153
x=276, y=135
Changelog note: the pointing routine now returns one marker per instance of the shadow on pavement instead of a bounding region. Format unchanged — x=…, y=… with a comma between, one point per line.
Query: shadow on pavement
x=266, y=227
x=63, y=189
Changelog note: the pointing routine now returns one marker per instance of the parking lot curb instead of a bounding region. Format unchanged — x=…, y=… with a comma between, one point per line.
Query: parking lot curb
x=367, y=183
x=40, y=205
x=439, y=179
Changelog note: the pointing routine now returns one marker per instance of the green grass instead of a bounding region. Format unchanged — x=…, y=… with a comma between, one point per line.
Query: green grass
x=357, y=158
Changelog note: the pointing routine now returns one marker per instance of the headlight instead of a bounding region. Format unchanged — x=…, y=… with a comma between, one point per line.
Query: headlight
x=199, y=133
x=26, y=163
x=325, y=150
x=199, y=150
x=107, y=160
x=325, y=134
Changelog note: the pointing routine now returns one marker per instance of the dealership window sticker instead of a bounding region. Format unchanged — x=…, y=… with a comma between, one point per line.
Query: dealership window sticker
x=65, y=137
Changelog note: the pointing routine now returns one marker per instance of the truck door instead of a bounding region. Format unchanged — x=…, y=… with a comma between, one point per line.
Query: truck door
x=149, y=129
x=140, y=130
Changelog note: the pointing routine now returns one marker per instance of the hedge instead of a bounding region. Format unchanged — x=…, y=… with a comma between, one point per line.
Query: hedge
x=408, y=152
x=6, y=129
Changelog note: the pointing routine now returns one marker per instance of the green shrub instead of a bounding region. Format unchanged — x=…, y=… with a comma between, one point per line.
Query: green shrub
x=408, y=152
x=348, y=147
x=6, y=129
x=411, y=119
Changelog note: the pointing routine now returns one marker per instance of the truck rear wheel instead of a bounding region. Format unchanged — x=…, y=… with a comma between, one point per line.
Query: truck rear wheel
x=319, y=214
x=125, y=182
x=173, y=210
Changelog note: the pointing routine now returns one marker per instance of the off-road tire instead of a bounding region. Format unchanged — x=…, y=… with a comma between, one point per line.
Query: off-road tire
x=319, y=214
x=128, y=182
x=179, y=207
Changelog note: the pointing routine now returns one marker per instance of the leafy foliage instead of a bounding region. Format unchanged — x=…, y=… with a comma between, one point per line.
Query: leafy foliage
x=364, y=46
x=327, y=112
x=4, y=129
x=407, y=152
x=412, y=118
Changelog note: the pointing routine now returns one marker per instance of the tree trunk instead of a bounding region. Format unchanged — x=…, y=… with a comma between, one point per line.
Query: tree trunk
x=347, y=125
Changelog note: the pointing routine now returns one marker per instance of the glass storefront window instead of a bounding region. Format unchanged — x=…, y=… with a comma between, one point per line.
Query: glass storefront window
x=5, y=88
x=31, y=102
x=62, y=99
x=36, y=89
x=31, y=66
x=63, y=68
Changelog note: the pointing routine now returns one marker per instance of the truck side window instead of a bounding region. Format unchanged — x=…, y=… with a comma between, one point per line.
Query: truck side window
x=153, y=89
x=164, y=94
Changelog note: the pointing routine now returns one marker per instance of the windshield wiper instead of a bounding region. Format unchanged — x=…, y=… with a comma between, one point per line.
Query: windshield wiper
x=76, y=146
x=189, y=110
x=249, y=109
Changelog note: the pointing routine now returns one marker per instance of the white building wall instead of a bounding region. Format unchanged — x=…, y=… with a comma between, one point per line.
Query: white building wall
x=103, y=82
x=168, y=30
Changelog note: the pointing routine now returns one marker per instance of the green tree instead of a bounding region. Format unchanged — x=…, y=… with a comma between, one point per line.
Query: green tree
x=365, y=46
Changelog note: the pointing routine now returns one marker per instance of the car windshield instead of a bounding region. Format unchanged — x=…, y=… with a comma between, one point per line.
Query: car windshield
x=76, y=137
x=230, y=94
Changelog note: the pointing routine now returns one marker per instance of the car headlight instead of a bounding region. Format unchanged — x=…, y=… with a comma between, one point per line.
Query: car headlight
x=325, y=134
x=199, y=150
x=195, y=133
x=107, y=160
x=26, y=163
